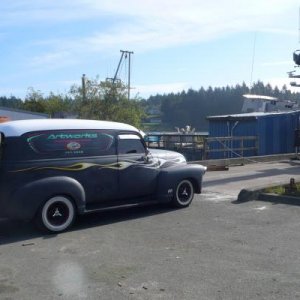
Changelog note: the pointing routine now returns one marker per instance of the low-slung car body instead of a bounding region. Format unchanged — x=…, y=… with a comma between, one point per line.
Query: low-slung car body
x=52, y=170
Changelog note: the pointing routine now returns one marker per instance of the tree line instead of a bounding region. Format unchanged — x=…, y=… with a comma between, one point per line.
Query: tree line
x=98, y=100
x=108, y=101
x=193, y=106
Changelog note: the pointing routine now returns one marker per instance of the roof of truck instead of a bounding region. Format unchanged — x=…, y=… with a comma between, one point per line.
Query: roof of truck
x=17, y=128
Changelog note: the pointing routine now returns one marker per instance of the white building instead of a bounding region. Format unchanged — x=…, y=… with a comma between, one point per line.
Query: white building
x=258, y=103
x=11, y=114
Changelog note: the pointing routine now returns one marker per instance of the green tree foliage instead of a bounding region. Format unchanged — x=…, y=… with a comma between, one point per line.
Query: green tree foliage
x=192, y=107
x=106, y=101
x=11, y=102
x=34, y=101
x=51, y=104
x=57, y=103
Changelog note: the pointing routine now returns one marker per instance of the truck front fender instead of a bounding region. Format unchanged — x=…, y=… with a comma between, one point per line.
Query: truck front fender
x=169, y=178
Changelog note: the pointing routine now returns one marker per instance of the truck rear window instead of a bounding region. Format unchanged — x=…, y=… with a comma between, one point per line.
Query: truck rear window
x=70, y=143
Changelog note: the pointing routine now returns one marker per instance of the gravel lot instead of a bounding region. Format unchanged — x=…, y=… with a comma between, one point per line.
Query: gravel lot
x=215, y=249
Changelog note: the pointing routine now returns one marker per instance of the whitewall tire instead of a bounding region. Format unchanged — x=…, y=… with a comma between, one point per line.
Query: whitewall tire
x=57, y=214
x=184, y=193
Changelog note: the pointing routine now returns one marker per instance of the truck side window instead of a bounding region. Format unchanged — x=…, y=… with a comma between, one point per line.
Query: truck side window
x=130, y=144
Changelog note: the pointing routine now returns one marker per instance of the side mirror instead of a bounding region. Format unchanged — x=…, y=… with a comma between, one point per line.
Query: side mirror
x=146, y=159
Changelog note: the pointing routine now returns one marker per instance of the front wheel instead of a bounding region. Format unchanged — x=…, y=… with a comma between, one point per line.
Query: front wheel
x=56, y=215
x=184, y=194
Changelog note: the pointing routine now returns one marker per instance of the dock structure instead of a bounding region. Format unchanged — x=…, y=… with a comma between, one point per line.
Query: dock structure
x=235, y=136
x=191, y=145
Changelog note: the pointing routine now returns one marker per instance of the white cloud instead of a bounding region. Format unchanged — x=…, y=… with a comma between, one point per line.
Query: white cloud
x=139, y=25
x=7, y=91
x=281, y=81
x=20, y=12
x=279, y=31
x=277, y=63
x=52, y=60
x=163, y=23
x=150, y=12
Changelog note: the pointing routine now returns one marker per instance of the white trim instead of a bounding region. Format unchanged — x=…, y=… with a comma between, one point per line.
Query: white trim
x=63, y=226
x=17, y=128
x=128, y=137
x=260, y=97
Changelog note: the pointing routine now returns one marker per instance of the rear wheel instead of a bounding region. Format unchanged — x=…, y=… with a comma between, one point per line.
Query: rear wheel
x=184, y=194
x=56, y=215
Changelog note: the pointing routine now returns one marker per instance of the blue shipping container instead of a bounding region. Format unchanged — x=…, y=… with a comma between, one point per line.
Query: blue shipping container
x=274, y=132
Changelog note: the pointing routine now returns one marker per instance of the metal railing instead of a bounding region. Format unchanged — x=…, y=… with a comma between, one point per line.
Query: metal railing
x=229, y=147
x=202, y=147
x=191, y=145
x=175, y=141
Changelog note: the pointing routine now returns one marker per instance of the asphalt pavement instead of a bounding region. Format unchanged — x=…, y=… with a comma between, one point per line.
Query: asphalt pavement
x=217, y=248
x=251, y=176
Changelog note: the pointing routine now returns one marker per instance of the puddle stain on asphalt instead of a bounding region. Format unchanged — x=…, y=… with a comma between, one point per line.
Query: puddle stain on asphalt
x=6, y=285
x=69, y=278
x=261, y=208
x=8, y=289
x=216, y=197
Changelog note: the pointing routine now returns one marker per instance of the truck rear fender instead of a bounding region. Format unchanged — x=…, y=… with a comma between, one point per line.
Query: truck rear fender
x=27, y=199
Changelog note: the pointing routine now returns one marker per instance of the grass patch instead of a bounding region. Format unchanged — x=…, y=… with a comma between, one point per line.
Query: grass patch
x=275, y=190
x=284, y=190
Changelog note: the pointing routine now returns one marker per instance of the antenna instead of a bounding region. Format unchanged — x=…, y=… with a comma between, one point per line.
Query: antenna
x=253, y=57
x=299, y=26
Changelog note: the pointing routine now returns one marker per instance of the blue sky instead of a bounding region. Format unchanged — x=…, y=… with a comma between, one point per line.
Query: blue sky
x=48, y=45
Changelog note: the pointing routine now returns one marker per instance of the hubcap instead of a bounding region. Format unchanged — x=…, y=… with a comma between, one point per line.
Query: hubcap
x=184, y=192
x=58, y=213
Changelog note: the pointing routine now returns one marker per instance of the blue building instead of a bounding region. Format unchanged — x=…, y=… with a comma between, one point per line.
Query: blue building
x=251, y=134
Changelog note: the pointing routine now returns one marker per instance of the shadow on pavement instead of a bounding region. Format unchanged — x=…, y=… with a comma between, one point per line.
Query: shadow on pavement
x=291, y=172
x=18, y=231
x=274, y=199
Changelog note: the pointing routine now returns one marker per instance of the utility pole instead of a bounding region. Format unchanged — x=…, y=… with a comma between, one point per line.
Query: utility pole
x=129, y=70
x=124, y=54
x=83, y=88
